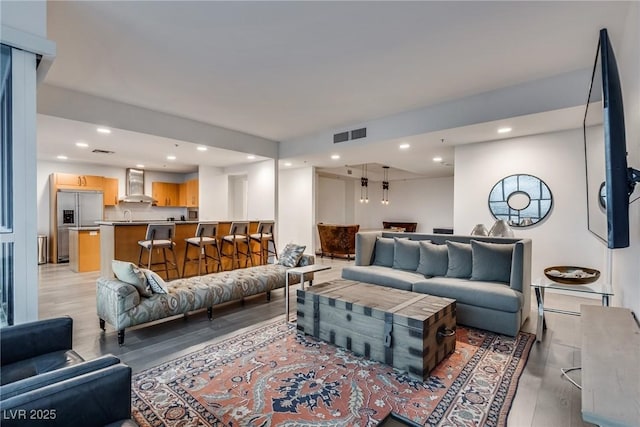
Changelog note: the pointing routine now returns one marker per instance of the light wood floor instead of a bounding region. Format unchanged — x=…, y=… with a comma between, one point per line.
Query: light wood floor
x=543, y=399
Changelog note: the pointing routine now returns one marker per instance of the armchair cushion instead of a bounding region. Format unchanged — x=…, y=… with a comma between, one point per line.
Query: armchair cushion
x=27, y=340
x=38, y=365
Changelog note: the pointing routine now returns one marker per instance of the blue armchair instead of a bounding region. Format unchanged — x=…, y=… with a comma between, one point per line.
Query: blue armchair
x=44, y=382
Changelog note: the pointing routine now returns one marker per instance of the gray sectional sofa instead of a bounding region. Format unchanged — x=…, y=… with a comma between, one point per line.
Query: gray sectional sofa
x=490, y=278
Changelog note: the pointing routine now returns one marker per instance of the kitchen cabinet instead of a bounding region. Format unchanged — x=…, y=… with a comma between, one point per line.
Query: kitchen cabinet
x=166, y=193
x=77, y=182
x=189, y=194
x=84, y=249
x=110, y=189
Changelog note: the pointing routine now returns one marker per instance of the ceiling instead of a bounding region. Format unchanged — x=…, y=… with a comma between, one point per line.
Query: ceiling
x=281, y=70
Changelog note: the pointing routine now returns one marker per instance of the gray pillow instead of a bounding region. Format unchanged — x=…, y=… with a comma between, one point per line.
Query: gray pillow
x=491, y=261
x=406, y=254
x=434, y=259
x=291, y=254
x=383, y=252
x=155, y=282
x=129, y=273
x=459, y=260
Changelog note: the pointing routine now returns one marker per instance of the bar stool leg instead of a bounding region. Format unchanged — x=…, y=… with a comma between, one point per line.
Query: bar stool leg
x=184, y=261
x=149, y=256
x=200, y=249
x=166, y=266
x=175, y=262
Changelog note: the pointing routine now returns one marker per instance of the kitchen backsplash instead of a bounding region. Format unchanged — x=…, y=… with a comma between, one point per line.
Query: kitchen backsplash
x=140, y=211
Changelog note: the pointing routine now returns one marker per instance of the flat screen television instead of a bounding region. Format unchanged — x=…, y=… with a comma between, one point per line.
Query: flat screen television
x=610, y=182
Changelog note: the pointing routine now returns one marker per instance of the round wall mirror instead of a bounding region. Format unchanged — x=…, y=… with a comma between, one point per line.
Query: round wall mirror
x=521, y=200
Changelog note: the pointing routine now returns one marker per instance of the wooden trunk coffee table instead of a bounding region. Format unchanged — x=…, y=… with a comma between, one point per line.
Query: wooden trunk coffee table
x=409, y=331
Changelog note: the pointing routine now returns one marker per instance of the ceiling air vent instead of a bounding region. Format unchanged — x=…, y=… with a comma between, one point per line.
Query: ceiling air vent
x=340, y=137
x=359, y=133
x=99, y=151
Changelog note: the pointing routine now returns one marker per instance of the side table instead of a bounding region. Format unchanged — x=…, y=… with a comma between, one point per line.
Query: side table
x=313, y=268
x=543, y=283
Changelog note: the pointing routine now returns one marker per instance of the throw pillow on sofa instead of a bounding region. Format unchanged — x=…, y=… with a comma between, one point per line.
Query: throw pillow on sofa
x=460, y=260
x=406, y=254
x=291, y=255
x=491, y=262
x=383, y=252
x=156, y=283
x=129, y=273
x=434, y=259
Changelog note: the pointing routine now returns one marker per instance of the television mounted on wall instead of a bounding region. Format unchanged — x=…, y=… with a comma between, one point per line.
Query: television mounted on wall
x=610, y=182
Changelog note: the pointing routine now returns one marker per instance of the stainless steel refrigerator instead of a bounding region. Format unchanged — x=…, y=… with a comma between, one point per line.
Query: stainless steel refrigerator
x=76, y=209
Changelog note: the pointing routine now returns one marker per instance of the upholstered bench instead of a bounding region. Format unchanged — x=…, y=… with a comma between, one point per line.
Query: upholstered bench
x=123, y=305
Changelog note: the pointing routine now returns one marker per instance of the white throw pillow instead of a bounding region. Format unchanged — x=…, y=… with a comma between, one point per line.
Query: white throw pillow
x=129, y=273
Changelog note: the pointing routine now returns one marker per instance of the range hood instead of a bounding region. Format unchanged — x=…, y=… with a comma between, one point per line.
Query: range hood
x=135, y=188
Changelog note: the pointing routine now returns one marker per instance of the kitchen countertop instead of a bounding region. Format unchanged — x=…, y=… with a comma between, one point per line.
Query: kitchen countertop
x=96, y=228
x=144, y=222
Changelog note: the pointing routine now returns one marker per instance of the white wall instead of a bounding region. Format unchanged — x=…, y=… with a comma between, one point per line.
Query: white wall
x=332, y=199
x=556, y=158
x=296, y=208
x=261, y=188
x=429, y=202
x=213, y=191
x=626, y=262
x=27, y=16
x=237, y=197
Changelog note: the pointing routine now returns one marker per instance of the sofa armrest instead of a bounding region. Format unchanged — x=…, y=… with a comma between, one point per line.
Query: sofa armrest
x=20, y=342
x=521, y=274
x=31, y=383
x=95, y=398
x=114, y=297
x=365, y=244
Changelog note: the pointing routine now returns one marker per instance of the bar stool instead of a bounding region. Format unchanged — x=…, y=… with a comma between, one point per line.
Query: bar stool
x=264, y=235
x=205, y=238
x=237, y=234
x=159, y=236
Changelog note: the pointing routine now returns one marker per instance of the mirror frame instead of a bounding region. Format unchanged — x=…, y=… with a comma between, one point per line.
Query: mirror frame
x=516, y=213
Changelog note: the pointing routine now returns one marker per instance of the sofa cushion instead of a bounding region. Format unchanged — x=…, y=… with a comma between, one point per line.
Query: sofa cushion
x=291, y=254
x=491, y=261
x=383, y=252
x=406, y=254
x=492, y=295
x=384, y=276
x=155, y=282
x=434, y=259
x=129, y=273
x=460, y=262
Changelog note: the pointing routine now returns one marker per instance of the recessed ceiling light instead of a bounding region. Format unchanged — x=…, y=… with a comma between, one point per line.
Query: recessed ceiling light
x=437, y=159
x=81, y=144
x=504, y=130
x=140, y=166
x=404, y=146
x=335, y=156
x=202, y=148
x=251, y=157
x=62, y=157
x=288, y=164
x=104, y=130
x=171, y=157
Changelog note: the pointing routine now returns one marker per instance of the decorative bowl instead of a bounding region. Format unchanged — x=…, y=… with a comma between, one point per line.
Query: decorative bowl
x=570, y=275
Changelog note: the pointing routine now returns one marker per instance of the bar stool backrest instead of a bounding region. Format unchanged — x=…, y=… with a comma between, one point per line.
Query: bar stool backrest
x=207, y=229
x=266, y=227
x=160, y=231
x=239, y=227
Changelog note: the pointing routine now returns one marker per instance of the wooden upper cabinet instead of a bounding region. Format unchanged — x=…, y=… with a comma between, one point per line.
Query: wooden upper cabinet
x=182, y=194
x=110, y=189
x=78, y=182
x=166, y=193
x=192, y=193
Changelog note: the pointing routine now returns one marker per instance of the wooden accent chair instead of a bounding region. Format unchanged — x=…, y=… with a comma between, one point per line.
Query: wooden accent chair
x=337, y=239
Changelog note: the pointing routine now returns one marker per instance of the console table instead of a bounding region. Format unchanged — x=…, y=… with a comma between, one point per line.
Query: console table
x=610, y=366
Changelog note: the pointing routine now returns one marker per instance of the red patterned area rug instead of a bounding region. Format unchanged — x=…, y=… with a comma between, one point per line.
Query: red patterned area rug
x=272, y=376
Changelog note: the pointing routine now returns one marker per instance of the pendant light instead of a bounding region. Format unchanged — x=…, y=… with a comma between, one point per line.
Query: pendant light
x=385, y=186
x=364, y=186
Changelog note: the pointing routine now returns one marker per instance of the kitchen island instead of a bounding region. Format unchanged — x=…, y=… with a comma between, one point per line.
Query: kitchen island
x=119, y=240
